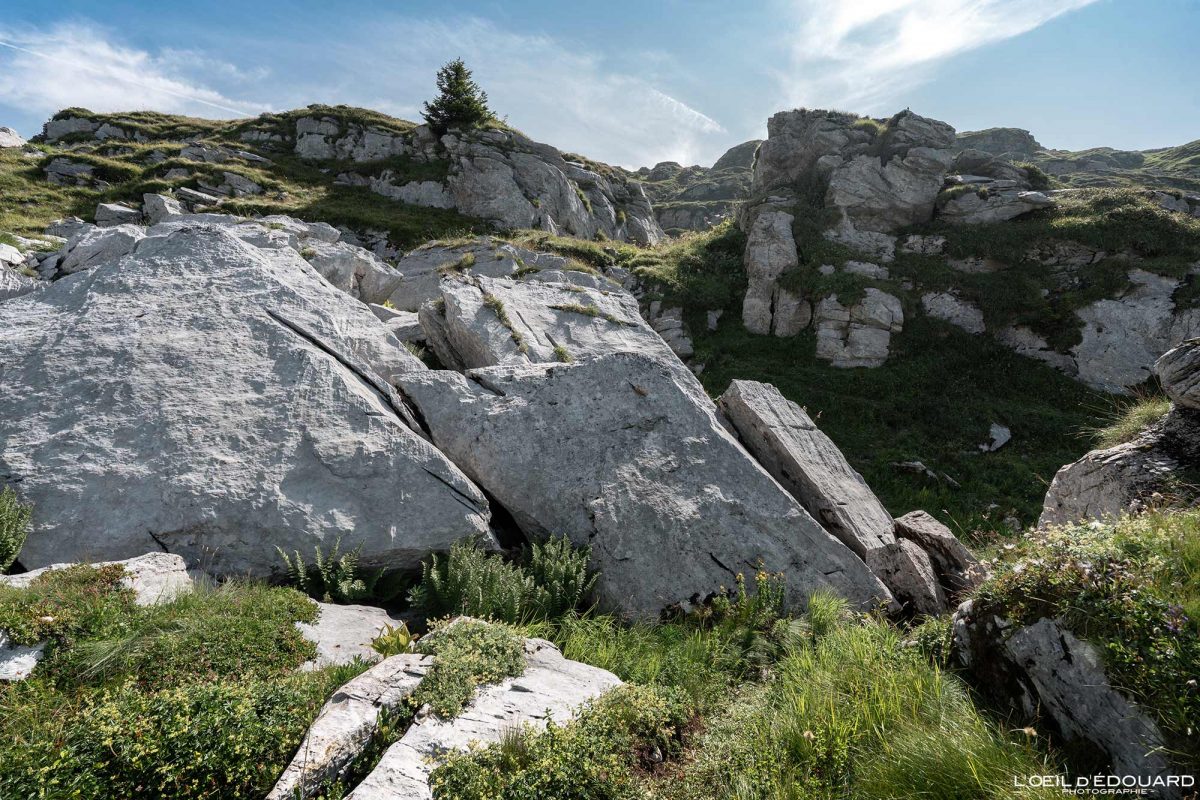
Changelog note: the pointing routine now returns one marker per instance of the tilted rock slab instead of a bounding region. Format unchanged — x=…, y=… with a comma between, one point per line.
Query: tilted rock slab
x=488, y=322
x=793, y=449
x=809, y=465
x=347, y=723
x=626, y=453
x=1043, y=671
x=216, y=400
x=551, y=687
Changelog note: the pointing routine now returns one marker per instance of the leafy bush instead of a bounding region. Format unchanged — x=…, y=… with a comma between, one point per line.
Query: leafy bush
x=470, y=581
x=592, y=758
x=64, y=605
x=469, y=653
x=226, y=739
x=14, y=527
x=335, y=577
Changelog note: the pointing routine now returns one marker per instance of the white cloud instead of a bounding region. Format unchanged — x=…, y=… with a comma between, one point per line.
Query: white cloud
x=77, y=65
x=858, y=55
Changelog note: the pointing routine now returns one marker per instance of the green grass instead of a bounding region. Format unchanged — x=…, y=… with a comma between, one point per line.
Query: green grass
x=1132, y=588
x=933, y=401
x=1132, y=417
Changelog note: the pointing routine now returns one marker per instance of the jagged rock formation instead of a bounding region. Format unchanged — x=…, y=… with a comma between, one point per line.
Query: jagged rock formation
x=1117, y=480
x=697, y=198
x=635, y=463
x=10, y=138
x=1043, y=670
x=1004, y=142
x=245, y=404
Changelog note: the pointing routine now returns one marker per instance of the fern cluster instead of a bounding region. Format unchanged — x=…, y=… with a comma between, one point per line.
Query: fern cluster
x=552, y=580
x=14, y=527
x=333, y=577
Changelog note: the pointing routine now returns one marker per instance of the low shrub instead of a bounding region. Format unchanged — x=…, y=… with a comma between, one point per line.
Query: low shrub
x=468, y=653
x=1132, y=588
x=64, y=605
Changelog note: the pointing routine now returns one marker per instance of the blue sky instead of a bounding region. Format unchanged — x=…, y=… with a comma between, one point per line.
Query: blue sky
x=626, y=81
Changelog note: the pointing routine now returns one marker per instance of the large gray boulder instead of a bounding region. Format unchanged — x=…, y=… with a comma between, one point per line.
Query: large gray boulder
x=551, y=687
x=487, y=322
x=346, y=724
x=632, y=460
x=1179, y=371
x=110, y=214
x=1044, y=670
x=1123, y=479
x=957, y=568
x=357, y=272
x=808, y=464
x=215, y=400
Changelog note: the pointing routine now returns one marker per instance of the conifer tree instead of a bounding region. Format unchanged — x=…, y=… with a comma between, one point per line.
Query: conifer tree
x=460, y=102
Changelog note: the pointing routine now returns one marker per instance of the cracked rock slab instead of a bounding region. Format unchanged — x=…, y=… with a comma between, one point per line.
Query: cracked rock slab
x=216, y=400
x=346, y=724
x=552, y=687
x=627, y=454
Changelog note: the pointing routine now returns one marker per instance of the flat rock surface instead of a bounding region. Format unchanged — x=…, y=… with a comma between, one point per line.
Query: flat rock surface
x=343, y=632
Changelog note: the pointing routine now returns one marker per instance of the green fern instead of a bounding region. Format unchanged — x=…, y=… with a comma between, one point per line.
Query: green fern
x=14, y=527
x=335, y=577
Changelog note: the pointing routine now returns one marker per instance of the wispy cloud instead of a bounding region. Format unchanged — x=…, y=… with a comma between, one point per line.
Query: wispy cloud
x=79, y=65
x=861, y=54
x=568, y=96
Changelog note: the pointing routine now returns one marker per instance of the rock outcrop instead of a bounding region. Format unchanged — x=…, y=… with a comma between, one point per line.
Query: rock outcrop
x=1042, y=670
x=551, y=687
x=957, y=568
x=10, y=138
x=153, y=578
x=861, y=335
x=633, y=461
x=770, y=253
x=1125, y=478
x=216, y=399
x=697, y=198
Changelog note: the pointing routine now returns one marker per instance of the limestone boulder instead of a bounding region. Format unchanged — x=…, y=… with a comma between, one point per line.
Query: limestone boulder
x=216, y=400
x=786, y=441
x=1000, y=205
x=956, y=566
x=10, y=138
x=1044, y=671
x=110, y=214
x=1122, y=479
x=94, y=246
x=632, y=460
x=907, y=570
x=1179, y=372
x=343, y=633
x=949, y=307
x=357, y=272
